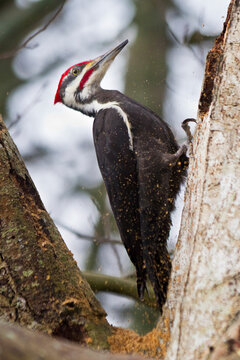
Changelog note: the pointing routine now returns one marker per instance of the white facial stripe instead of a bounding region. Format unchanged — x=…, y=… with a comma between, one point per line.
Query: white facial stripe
x=86, y=91
x=95, y=78
x=95, y=106
x=69, y=98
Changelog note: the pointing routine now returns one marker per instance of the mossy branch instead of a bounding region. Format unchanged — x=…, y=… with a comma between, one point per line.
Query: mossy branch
x=119, y=286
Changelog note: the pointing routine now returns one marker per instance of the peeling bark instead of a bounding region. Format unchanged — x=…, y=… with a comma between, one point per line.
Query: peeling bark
x=41, y=286
x=228, y=348
x=204, y=291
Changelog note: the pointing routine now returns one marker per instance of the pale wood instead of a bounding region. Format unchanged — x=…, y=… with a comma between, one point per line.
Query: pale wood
x=204, y=293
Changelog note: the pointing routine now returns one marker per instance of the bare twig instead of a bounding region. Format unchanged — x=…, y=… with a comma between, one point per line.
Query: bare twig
x=13, y=52
x=97, y=239
x=27, y=108
x=113, y=246
x=200, y=60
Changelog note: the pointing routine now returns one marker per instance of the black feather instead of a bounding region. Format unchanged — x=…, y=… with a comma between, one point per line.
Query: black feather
x=142, y=184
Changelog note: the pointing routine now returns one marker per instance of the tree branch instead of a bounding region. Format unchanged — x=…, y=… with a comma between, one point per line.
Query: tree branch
x=21, y=344
x=17, y=22
x=13, y=52
x=119, y=286
x=41, y=285
x=96, y=239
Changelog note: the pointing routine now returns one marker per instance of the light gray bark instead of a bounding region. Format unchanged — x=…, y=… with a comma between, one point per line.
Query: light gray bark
x=204, y=293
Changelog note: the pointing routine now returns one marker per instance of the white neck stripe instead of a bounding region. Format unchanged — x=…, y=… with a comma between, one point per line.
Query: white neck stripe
x=95, y=106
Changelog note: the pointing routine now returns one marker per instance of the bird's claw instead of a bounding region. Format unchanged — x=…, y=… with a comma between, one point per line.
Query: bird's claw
x=187, y=129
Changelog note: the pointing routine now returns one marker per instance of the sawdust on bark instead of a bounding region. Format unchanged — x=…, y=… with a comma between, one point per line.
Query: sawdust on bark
x=153, y=344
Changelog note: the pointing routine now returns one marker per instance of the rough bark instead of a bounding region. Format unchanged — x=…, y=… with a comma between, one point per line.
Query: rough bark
x=228, y=348
x=41, y=286
x=22, y=344
x=203, y=296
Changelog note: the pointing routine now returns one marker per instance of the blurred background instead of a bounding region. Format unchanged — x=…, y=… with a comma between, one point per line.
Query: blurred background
x=162, y=67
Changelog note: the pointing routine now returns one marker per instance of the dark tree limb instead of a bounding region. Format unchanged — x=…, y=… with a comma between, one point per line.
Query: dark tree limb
x=22, y=344
x=41, y=286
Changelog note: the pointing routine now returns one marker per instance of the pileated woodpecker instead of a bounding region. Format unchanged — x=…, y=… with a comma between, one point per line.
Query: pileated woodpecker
x=141, y=163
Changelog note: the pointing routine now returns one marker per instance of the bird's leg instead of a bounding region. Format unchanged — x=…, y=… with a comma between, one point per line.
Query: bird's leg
x=187, y=130
x=171, y=159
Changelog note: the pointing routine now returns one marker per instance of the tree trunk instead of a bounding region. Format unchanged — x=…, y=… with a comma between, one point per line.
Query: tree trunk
x=203, y=297
x=41, y=286
x=147, y=70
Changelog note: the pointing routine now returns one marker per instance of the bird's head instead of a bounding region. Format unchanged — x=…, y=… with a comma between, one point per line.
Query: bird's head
x=80, y=82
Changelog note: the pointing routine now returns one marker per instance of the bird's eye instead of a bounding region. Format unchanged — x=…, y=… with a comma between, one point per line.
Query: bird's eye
x=75, y=71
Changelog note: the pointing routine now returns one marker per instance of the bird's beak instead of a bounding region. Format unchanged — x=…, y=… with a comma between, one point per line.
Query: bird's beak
x=104, y=61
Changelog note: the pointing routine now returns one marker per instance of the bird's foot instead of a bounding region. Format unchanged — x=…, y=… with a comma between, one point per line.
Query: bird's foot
x=187, y=129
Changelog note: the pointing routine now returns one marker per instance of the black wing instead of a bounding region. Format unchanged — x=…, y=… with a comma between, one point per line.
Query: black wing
x=154, y=179
x=159, y=176
x=119, y=170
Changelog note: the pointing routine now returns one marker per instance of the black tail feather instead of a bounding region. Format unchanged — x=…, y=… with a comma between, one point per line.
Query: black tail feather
x=158, y=265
